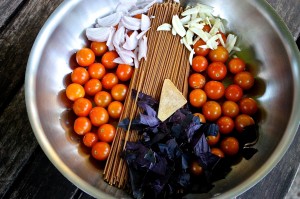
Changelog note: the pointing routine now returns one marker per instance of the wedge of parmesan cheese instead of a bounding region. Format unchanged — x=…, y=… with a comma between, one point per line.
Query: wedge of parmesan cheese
x=171, y=99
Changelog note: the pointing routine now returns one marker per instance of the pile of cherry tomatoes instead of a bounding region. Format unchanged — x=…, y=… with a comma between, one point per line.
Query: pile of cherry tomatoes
x=218, y=88
x=98, y=89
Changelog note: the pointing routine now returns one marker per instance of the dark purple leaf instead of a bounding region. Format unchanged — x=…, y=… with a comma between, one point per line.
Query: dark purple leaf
x=184, y=179
x=148, y=120
x=208, y=160
x=201, y=146
x=142, y=97
x=148, y=109
x=210, y=129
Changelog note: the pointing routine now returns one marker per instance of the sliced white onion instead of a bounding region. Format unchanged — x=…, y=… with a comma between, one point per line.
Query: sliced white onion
x=186, y=44
x=110, y=20
x=185, y=19
x=135, y=58
x=98, y=34
x=125, y=55
x=173, y=31
x=118, y=60
x=119, y=37
x=235, y=48
x=190, y=11
x=177, y=25
x=203, y=35
x=221, y=39
x=131, y=23
x=215, y=29
x=131, y=41
x=143, y=47
x=189, y=37
x=125, y=5
x=145, y=22
x=230, y=42
x=141, y=34
x=109, y=41
x=212, y=42
x=191, y=56
x=164, y=27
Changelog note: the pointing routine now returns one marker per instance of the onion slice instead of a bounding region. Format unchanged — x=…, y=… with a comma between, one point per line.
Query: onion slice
x=110, y=20
x=98, y=34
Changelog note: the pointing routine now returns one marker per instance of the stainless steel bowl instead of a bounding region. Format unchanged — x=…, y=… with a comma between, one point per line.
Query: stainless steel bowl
x=268, y=48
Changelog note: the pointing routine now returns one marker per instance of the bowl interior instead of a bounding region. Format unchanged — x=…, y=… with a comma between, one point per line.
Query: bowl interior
x=263, y=47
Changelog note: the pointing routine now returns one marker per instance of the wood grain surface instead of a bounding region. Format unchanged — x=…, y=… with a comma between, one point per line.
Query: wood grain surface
x=25, y=171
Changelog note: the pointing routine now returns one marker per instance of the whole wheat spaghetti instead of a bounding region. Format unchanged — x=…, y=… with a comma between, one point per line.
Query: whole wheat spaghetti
x=166, y=58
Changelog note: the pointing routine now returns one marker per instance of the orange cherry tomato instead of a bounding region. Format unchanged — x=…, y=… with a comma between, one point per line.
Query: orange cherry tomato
x=85, y=57
x=211, y=110
x=124, y=72
x=244, y=79
x=108, y=59
x=236, y=65
x=92, y=87
x=213, y=140
x=214, y=90
x=199, y=63
x=200, y=51
x=196, y=169
x=82, y=125
x=100, y=151
x=230, y=146
x=109, y=80
x=99, y=116
x=89, y=139
x=201, y=117
x=96, y=71
x=115, y=109
x=106, y=133
x=119, y=92
x=243, y=120
x=217, y=71
x=218, y=152
x=138, y=16
x=102, y=99
x=196, y=80
x=206, y=28
x=218, y=55
x=230, y=109
x=80, y=75
x=234, y=93
x=248, y=106
x=75, y=91
x=197, y=97
x=226, y=125
x=82, y=107
x=99, y=48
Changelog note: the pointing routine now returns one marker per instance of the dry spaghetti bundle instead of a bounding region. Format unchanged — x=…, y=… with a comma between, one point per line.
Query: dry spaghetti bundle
x=167, y=58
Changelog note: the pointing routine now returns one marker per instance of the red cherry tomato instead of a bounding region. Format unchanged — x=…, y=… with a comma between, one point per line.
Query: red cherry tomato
x=85, y=57
x=199, y=63
x=200, y=51
x=217, y=71
x=211, y=110
x=96, y=71
x=109, y=80
x=243, y=120
x=108, y=59
x=115, y=109
x=82, y=125
x=218, y=152
x=92, y=87
x=196, y=168
x=82, y=107
x=196, y=80
x=119, y=92
x=214, y=90
x=197, y=98
x=100, y=151
x=124, y=72
x=102, y=99
x=106, y=133
x=201, y=117
x=89, y=139
x=75, y=91
x=98, y=116
x=236, y=65
x=244, y=79
x=80, y=75
x=218, y=55
x=226, y=125
x=234, y=93
x=99, y=48
x=230, y=109
x=213, y=140
x=248, y=106
x=230, y=146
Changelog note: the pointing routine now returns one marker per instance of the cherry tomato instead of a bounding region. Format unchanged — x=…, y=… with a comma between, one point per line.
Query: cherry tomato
x=233, y=93
x=99, y=48
x=115, y=109
x=244, y=79
x=223, y=37
x=75, y=91
x=218, y=55
x=206, y=28
x=226, y=125
x=100, y=151
x=230, y=146
x=89, y=139
x=108, y=59
x=196, y=168
x=124, y=72
x=197, y=97
x=243, y=120
x=82, y=125
x=236, y=65
x=218, y=152
x=213, y=140
x=98, y=116
x=82, y=107
x=109, y=80
x=102, y=99
x=92, y=87
x=199, y=63
x=248, y=106
x=85, y=57
x=119, y=92
x=214, y=90
x=96, y=71
x=196, y=80
x=211, y=110
x=106, y=133
x=217, y=71
x=230, y=109
x=201, y=51
x=201, y=117
x=138, y=16
x=80, y=75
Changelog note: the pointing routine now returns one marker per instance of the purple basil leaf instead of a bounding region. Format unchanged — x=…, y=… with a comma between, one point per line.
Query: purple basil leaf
x=184, y=161
x=124, y=123
x=184, y=179
x=148, y=120
x=177, y=117
x=144, y=97
x=176, y=130
x=201, y=146
x=136, y=179
x=160, y=166
x=148, y=109
x=193, y=127
x=210, y=129
x=208, y=160
x=150, y=156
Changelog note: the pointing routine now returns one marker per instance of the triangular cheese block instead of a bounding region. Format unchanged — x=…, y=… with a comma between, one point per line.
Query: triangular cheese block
x=171, y=99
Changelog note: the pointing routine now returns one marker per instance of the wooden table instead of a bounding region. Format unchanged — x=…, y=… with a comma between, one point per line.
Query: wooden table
x=25, y=171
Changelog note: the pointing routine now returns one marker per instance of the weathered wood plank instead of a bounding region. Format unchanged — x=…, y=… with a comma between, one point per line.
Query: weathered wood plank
x=8, y=9
x=289, y=11
x=40, y=179
x=17, y=141
x=16, y=41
